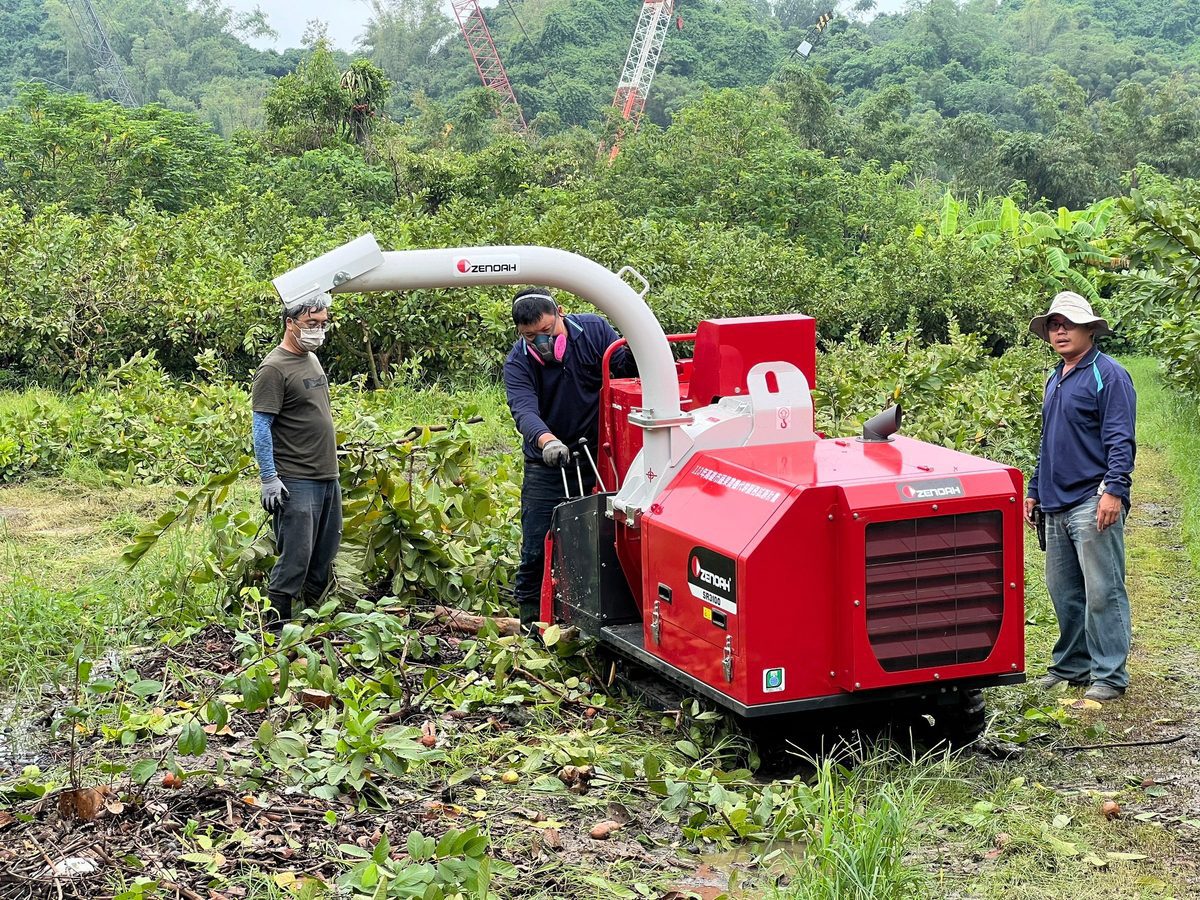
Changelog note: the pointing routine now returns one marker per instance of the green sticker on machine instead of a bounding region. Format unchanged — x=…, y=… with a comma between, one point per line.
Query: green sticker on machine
x=773, y=680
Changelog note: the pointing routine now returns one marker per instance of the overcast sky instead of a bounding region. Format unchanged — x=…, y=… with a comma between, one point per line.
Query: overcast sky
x=346, y=18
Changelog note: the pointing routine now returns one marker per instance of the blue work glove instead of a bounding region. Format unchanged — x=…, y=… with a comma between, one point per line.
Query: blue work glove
x=555, y=453
x=274, y=494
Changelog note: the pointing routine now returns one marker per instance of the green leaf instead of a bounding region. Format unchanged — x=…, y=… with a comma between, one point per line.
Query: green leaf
x=217, y=713
x=146, y=688
x=688, y=749
x=416, y=846
x=1060, y=847
x=192, y=739
x=143, y=770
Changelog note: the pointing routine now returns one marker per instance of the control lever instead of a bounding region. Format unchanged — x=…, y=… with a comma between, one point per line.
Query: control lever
x=600, y=481
x=578, y=472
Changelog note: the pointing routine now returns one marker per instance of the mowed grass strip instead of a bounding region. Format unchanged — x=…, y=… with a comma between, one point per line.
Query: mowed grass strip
x=63, y=582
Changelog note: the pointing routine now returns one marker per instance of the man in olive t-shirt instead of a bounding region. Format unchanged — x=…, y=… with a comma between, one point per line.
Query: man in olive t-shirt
x=296, y=447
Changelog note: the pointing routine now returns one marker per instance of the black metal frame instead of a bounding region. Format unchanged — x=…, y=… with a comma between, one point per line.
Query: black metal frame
x=590, y=587
x=629, y=641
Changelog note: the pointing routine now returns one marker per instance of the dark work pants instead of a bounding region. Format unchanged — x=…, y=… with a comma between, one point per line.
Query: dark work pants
x=541, y=491
x=308, y=531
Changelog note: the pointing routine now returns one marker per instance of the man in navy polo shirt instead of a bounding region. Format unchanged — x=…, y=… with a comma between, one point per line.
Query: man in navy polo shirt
x=1082, y=483
x=552, y=378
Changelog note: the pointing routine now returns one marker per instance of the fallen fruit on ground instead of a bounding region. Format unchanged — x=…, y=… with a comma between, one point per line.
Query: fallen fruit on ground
x=601, y=830
x=83, y=804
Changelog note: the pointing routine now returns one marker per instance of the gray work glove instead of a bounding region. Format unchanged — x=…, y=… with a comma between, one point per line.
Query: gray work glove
x=555, y=453
x=274, y=494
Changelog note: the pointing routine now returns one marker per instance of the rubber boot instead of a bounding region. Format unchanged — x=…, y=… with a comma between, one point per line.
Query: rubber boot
x=281, y=611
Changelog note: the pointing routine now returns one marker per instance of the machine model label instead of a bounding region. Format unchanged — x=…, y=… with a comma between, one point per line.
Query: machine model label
x=773, y=680
x=738, y=484
x=713, y=578
x=508, y=263
x=933, y=489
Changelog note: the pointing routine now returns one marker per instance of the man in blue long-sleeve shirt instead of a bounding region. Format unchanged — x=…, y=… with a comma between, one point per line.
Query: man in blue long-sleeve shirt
x=1082, y=483
x=552, y=377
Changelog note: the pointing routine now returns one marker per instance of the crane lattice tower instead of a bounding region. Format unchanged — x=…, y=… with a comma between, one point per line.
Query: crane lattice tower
x=483, y=51
x=95, y=41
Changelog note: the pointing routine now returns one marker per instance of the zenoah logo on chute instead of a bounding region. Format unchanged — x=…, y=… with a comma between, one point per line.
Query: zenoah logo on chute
x=507, y=264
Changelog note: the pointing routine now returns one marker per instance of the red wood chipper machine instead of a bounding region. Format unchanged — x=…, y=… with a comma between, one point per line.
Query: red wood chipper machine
x=731, y=549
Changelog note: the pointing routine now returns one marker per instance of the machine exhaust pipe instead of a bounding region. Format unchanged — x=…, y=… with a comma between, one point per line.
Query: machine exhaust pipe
x=880, y=428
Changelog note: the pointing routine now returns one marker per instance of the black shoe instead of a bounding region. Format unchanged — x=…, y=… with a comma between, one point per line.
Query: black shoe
x=281, y=607
x=1050, y=680
x=1103, y=693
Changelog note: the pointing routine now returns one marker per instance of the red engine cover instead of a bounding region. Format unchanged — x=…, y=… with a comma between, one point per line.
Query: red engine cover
x=803, y=570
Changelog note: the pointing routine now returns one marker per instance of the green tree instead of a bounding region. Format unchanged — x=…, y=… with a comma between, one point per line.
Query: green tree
x=309, y=108
x=98, y=157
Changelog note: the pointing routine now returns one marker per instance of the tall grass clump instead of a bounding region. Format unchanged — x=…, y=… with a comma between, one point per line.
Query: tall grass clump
x=864, y=814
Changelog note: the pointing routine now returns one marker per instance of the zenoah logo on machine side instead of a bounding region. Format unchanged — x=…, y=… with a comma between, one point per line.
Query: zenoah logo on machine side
x=713, y=578
x=488, y=265
x=933, y=489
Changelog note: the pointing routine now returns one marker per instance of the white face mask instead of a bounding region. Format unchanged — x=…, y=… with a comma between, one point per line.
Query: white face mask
x=311, y=338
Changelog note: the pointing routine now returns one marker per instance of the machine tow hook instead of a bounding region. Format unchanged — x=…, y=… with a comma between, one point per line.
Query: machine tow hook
x=656, y=623
x=727, y=660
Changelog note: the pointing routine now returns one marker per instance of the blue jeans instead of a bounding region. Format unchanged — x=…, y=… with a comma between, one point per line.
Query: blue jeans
x=541, y=491
x=1085, y=575
x=308, y=532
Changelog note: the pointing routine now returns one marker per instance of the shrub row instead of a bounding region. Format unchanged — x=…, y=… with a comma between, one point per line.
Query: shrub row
x=140, y=423
x=80, y=295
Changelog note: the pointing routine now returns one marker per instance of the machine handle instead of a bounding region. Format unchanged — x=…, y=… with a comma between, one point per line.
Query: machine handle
x=639, y=276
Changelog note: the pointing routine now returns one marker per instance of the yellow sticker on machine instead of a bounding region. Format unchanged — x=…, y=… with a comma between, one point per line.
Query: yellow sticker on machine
x=708, y=613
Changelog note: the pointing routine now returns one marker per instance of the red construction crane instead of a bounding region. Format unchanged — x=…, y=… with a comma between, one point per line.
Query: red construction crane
x=641, y=63
x=483, y=50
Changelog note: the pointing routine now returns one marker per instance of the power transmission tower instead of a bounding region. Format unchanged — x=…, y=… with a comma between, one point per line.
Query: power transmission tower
x=95, y=41
x=641, y=63
x=483, y=50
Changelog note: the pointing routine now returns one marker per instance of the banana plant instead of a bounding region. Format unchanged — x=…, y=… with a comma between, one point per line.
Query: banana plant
x=1060, y=251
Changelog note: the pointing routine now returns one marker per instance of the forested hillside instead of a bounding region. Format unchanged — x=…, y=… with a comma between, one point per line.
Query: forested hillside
x=1048, y=98
x=188, y=56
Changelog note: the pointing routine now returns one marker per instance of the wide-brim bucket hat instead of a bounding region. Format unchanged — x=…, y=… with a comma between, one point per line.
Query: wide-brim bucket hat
x=1073, y=307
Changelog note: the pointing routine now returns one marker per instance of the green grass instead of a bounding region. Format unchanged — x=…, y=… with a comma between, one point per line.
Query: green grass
x=1169, y=434
x=401, y=407
x=63, y=582
x=25, y=402
x=865, y=816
